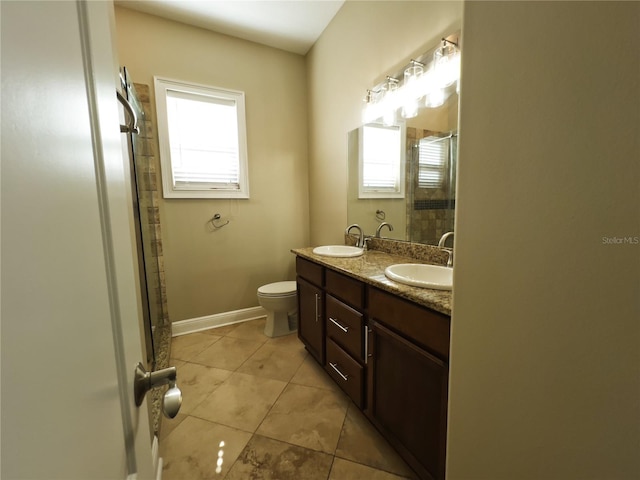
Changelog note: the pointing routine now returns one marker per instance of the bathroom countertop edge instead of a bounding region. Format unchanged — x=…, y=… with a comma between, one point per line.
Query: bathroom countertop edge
x=369, y=268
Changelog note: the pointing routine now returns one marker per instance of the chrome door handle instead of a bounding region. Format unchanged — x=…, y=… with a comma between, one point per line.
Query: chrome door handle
x=144, y=381
x=339, y=325
x=317, y=298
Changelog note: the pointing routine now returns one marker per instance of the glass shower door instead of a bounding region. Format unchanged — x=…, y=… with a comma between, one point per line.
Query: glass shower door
x=147, y=227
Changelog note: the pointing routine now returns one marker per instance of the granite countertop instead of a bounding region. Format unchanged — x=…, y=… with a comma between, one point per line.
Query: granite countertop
x=369, y=268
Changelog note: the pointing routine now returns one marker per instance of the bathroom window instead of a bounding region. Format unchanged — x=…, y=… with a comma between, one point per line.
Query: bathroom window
x=381, y=161
x=203, y=147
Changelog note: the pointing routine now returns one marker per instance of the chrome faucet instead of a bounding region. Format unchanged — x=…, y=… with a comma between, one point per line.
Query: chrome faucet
x=443, y=239
x=383, y=224
x=441, y=243
x=360, y=243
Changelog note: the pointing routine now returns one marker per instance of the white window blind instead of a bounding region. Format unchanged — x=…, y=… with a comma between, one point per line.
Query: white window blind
x=203, y=140
x=381, y=161
x=432, y=161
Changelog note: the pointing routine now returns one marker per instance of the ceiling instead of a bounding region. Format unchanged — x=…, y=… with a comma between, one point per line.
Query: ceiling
x=291, y=25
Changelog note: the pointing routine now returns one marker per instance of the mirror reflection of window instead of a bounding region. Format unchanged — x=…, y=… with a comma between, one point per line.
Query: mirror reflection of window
x=381, y=162
x=432, y=161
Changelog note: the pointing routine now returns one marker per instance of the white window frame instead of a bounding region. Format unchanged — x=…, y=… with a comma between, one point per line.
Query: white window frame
x=396, y=191
x=193, y=190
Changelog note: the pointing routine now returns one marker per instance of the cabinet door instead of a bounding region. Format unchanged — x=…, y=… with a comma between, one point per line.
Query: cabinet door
x=311, y=318
x=408, y=399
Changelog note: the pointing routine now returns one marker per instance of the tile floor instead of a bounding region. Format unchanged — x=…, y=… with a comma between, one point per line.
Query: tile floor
x=261, y=408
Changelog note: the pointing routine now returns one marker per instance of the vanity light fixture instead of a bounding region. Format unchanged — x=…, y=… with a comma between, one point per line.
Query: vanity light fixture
x=428, y=77
x=435, y=98
x=389, y=115
x=446, y=63
x=412, y=88
x=412, y=74
x=382, y=102
x=374, y=108
x=368, y=98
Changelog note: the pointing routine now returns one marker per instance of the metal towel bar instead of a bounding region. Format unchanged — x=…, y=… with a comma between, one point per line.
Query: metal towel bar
x=215, y=221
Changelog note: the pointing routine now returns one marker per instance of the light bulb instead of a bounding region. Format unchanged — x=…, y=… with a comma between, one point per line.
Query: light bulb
x=412, y=73
x=390, y=102
x=410, y=109
x=435, y=98
x=446, y=64
x=412, y=80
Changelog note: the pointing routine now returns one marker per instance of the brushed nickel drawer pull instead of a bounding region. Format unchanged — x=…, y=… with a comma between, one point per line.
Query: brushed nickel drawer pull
x=337, y=324
x=335, y=367
x=366, y=344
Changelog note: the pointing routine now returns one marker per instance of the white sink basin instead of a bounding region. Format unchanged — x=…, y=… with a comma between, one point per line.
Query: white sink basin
x=418, y=275
x=338, y=251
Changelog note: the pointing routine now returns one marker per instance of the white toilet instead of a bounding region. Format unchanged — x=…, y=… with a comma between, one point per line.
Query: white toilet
x=279, y=300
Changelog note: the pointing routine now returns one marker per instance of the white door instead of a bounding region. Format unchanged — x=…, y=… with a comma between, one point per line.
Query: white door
x=70, y=308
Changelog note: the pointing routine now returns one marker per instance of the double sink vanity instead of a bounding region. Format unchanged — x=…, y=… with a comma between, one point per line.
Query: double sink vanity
x=378, y=318
x=383, y=340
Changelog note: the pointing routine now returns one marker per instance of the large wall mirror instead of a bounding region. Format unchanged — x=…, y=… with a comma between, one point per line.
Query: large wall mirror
x=402, y=170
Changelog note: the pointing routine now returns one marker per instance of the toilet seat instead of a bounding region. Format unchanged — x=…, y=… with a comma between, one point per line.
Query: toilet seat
x=278, y=289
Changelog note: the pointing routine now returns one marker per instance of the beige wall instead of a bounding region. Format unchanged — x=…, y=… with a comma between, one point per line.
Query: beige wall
x=545, y=354
x=365, y=42
x=209, y=272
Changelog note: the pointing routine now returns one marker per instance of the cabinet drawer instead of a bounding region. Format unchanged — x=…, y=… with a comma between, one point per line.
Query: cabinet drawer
x=425, y=327
x=345, y=288
x=344, y=326
x=311, y=271
x=345, y=371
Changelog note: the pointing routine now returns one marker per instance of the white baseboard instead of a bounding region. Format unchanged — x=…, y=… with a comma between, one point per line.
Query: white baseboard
x=192, y=325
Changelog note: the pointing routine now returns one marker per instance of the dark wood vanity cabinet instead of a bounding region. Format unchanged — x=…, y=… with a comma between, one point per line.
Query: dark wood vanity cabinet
x=310, y=282
x=408, y=380
x=388, y=354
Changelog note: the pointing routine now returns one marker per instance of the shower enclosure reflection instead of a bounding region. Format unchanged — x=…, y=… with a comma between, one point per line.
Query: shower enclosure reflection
x=430, y=203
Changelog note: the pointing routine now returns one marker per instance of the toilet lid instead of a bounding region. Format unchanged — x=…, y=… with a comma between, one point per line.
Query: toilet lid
x=278, y=288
